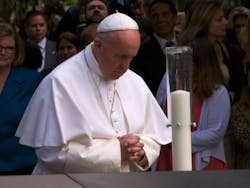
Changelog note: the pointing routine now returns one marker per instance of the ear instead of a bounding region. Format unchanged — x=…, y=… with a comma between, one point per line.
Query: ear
x=97, y=42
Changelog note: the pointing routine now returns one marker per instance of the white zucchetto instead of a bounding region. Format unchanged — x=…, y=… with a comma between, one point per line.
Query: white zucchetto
x=117, y=22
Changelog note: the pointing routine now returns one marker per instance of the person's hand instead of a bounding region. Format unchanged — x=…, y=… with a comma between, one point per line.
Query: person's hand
x=131, y=147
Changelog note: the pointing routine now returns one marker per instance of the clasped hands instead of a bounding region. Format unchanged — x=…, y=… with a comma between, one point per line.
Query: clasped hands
x=131, y=148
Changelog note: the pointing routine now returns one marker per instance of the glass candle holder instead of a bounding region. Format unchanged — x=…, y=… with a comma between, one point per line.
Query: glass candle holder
x=179, y=88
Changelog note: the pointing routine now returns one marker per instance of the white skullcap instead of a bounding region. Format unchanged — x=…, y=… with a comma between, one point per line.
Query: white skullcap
x=117, y=22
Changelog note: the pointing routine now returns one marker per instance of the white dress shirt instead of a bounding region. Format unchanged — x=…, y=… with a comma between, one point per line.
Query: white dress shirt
x=42, y=45
x=163, y=42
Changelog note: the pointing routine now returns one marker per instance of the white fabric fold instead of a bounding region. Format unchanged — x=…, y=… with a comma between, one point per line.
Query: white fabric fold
x=68, y=108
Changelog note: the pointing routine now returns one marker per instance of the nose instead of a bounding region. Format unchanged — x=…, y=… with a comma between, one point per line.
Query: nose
x=96, y=8
x=225, y=21
x=2, y=50
x=38, y=27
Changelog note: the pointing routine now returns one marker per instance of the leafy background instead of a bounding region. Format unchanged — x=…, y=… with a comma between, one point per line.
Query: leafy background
x=18, y=8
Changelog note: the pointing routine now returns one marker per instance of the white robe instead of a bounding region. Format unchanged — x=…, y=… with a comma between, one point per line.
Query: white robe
x=74, y=118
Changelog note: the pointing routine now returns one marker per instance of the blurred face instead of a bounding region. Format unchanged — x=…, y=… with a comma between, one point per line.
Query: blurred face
x=138, y=8
x=7, y=51
x=115, y=52
x=239, y=23
x=163, y=21
x=217, y=27
x=65, y=50
x=36, y=28
x=95, y=11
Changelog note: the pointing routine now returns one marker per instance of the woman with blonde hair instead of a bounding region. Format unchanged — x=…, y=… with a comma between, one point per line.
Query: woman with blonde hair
x=244, y=39
x=207, y=20
x=17, y=85
x=237, y=19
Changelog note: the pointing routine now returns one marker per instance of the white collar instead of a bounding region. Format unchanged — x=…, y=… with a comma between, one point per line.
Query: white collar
x=91, y=60
x=42, y=43
x=93, y=64
x=162, y=42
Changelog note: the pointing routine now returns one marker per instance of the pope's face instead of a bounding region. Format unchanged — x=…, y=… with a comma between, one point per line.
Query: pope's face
x=116, y=51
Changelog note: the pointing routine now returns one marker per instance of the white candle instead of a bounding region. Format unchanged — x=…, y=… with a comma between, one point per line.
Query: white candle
x=181, y=130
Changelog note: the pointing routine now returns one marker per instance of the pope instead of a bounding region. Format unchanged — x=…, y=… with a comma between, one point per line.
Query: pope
x=93, y=114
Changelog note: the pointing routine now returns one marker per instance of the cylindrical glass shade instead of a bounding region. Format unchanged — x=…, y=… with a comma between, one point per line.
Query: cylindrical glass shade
x=180, y=68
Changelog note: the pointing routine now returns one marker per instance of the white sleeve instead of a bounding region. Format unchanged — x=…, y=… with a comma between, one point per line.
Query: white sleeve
x=104, y=155
x=51, y=160
x=152, y=150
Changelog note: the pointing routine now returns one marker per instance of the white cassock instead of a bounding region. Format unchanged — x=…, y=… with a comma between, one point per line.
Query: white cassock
x=74, y=118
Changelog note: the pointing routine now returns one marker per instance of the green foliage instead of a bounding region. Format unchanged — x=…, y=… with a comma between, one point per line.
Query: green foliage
x=68, y=2
x=20, y=7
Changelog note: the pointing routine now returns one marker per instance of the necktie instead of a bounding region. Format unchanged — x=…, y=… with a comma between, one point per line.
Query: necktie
x=169, y=44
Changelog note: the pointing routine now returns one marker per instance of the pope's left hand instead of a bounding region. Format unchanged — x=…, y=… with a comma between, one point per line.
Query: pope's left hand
x=131, y=147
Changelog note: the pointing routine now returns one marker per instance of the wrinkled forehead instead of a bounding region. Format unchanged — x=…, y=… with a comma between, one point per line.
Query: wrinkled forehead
x=95, y=3
x=119, y=34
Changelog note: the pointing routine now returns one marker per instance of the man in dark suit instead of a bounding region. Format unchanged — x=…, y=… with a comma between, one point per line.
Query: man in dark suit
x=150, y=61
x=36, y=29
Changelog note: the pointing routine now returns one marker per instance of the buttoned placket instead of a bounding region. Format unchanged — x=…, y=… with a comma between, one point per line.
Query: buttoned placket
x=116, y=112
x=114, y=117
x=111, y=102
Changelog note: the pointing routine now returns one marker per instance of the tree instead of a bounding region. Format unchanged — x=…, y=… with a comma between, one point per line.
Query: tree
x=14, y=10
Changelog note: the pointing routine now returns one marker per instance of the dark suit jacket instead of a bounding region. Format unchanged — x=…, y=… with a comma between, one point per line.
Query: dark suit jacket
x=150, y=63
x=33, y=56
x=50, y=57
